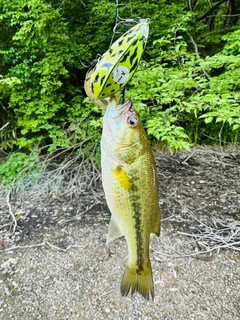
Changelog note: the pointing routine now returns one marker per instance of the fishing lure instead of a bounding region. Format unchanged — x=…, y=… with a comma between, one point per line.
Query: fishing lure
x=88, y=87
x=118, y=64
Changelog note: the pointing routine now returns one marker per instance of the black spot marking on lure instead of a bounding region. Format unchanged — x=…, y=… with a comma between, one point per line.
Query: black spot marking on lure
x=108, y=85
x=124, y=58
x=129, y=38
x=102, y=79
x=113, y=90
x=143, y=41
x=120, y=43
x=92, y=86
x=96, y=78
x=134, y=42
x=110, y=50
x=133, y=56
x=134, y=66
x=93, y=65
x=117, y=53
x=129, y=32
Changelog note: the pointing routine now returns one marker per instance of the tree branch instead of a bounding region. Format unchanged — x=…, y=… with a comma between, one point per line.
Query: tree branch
x=211, y=10
x=5, y=125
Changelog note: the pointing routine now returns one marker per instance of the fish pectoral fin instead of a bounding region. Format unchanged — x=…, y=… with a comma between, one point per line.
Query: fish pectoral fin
x=123, y=178
x=113, y=231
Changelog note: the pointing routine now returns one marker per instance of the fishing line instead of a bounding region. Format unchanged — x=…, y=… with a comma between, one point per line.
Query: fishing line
x=110, y=72
x=126, y=22
x=122, y=21
x=118, y=21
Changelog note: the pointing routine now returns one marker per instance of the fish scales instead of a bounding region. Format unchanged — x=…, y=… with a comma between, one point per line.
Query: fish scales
x=131, y=188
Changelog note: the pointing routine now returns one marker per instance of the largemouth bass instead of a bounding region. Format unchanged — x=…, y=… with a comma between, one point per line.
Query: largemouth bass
x=130, y=184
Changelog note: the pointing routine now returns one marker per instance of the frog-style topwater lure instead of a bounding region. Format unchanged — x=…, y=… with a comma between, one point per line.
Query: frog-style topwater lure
x=117, y=65
x=88, y=88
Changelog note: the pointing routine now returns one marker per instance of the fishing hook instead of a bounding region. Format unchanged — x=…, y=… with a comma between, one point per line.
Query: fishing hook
x=119, y=21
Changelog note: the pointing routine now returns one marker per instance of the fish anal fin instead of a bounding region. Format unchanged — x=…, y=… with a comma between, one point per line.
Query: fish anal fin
x=113, y=231
x=123, y=178
x=142, y=282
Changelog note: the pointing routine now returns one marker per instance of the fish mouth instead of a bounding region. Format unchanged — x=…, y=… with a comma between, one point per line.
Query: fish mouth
x=125, y=112
x=123, y=115
x=121, y=108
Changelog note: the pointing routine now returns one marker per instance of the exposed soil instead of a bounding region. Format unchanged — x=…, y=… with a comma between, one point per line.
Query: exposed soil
x=57, y=266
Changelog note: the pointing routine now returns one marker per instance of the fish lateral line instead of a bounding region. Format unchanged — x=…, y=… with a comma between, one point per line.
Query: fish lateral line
x=136, y=205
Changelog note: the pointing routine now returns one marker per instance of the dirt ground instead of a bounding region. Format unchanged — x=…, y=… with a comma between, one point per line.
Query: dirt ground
x=57, y=265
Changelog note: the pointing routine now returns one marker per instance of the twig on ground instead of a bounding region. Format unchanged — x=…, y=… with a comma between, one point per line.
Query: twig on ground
x=194, y=255
x=215, y=232
x=43, y=244
x=62, y=249
x=168, y=218
x=14, y=220
x=64, y=172
x=24, y=247
x=190, y=156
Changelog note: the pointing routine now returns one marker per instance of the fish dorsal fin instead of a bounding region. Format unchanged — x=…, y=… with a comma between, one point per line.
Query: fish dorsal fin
x=113, y=231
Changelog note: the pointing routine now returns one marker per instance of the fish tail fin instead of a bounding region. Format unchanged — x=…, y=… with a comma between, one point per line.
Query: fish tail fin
x=141, y=282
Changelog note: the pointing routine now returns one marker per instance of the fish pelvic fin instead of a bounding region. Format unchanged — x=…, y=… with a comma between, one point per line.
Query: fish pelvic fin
x=113, y=231
x=141, y=282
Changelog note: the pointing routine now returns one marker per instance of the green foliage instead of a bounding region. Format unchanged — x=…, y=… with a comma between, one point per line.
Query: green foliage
x=190, y=79
x=20, y=166
x=232, y=46
x=41, y=54
x=191, y=100
x=8, y=123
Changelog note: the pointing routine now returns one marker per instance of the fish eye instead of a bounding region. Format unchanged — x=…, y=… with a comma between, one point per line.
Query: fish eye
x=132, y=122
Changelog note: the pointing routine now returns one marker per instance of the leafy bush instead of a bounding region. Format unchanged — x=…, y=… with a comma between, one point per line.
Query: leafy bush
x=20, y=166
x=41, y=54
x=191, y=100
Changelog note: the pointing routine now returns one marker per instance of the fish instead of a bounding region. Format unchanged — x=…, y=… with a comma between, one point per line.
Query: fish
x=130, y=184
